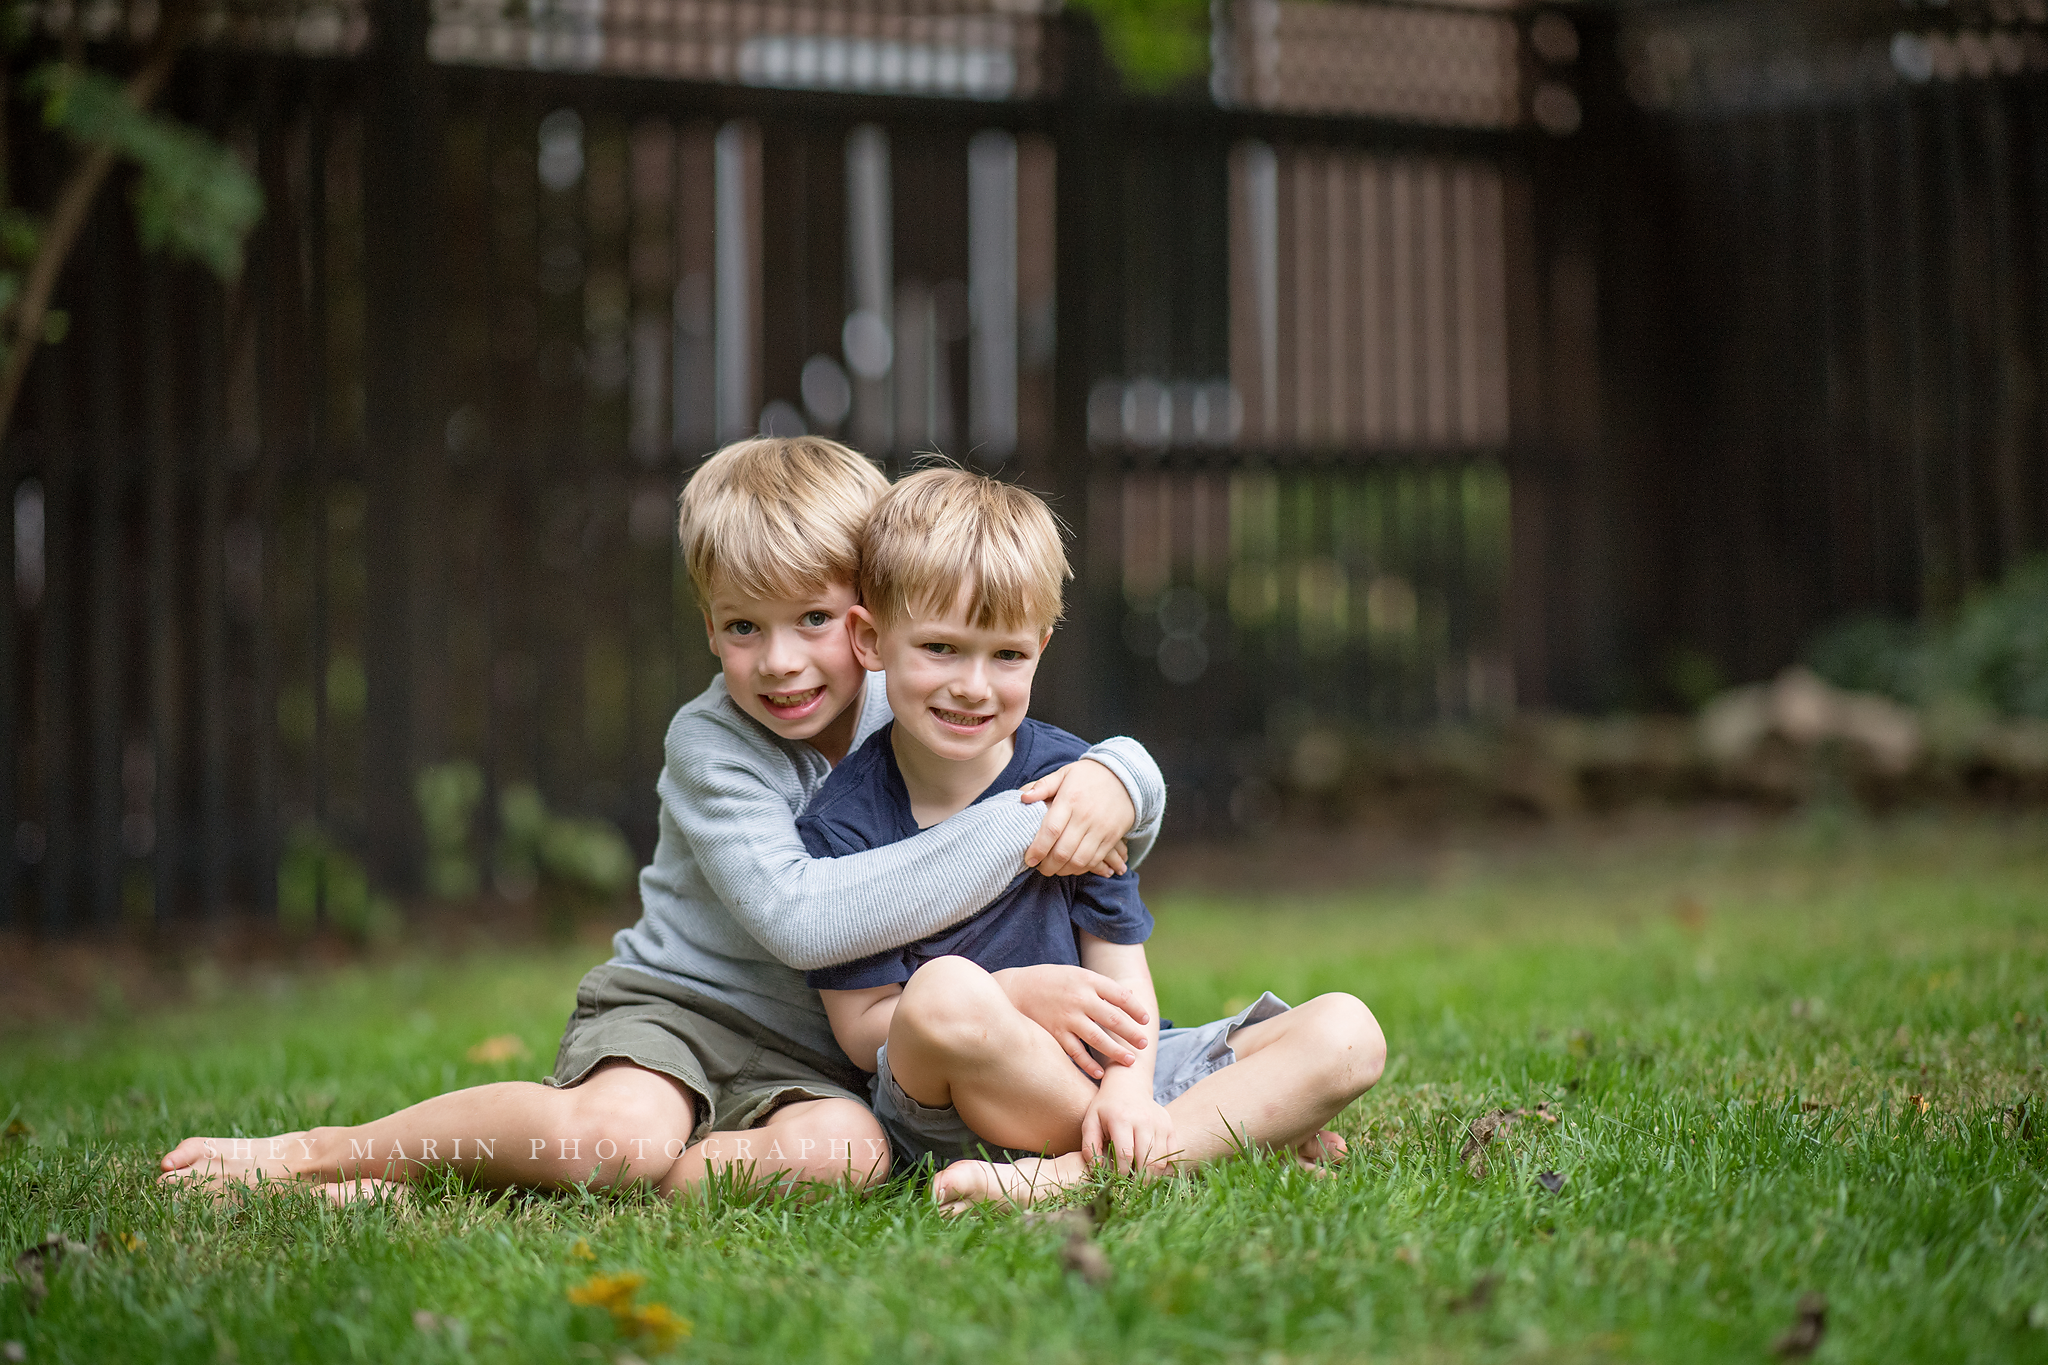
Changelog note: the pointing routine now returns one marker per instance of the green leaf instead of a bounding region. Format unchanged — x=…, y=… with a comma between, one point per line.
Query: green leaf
x=193, y=197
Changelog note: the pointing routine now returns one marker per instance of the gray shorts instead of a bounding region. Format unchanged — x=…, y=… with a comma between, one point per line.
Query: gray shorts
x=738, y=1072
x=1186, y=1055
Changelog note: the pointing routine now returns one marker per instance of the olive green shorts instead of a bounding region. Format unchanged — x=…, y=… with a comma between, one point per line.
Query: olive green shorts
x=739, y=1072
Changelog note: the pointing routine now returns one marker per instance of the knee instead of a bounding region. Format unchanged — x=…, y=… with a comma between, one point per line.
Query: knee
x=840, y=1140
x=1350, y=1042
x=639, y=1119
x=949, y=1007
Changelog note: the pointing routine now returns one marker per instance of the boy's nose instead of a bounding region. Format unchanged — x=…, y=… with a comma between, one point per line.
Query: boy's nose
x=781, y=658
x=972, y=684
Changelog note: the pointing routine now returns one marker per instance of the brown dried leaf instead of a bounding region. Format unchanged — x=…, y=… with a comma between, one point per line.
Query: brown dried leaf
x=504, y=1047
x=31, y=1267
x=1085, y=1259
x=1488, y=1126
x=1802, y=1339
x=1478, y=1296
x=1919, y=1102
x=1074, y=1220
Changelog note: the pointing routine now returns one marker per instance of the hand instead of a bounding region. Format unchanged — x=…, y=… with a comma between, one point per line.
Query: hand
x=1133, y=1130
x=1080, y=1009
x=1087, y=815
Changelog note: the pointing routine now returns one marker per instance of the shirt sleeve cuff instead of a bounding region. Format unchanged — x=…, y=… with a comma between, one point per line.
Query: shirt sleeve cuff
x=1141, y=777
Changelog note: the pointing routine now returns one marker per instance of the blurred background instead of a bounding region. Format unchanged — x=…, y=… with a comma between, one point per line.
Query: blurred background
x=1461, y=409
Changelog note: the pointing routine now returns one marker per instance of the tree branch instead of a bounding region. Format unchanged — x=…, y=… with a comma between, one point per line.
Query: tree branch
x=74, y=207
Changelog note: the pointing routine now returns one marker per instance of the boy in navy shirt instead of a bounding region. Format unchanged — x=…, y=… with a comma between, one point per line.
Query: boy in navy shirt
x=960, y=585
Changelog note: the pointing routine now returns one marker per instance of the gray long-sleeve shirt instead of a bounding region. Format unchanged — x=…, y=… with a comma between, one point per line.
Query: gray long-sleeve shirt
x=733, y=907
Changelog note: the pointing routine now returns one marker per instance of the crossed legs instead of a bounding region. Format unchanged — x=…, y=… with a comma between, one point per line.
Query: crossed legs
x=957, y=1040
x=621, y=1124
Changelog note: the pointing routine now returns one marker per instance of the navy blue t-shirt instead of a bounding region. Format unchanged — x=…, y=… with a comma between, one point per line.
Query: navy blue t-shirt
x=864, y=804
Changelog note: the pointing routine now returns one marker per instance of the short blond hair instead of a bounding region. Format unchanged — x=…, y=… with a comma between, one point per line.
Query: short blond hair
x=777, y=516
x=940, y=530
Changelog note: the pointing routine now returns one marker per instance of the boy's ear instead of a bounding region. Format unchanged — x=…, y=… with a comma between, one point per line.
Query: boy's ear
x=867, y=638
x=711, y=635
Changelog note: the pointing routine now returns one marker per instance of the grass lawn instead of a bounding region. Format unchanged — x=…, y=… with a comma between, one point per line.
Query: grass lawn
x=1803, y=1059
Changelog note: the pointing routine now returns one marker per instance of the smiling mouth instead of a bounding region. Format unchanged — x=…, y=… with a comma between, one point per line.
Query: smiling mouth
x=791, y=701
x=961, y=720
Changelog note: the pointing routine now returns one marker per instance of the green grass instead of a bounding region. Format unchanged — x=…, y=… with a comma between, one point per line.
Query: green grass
x=1736, y=1127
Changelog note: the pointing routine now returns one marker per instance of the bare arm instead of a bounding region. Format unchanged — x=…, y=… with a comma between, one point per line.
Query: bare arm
x=1124, y=1117
x=860, y=1020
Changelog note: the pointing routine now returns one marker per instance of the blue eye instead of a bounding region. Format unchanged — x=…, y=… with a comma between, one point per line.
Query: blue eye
x=742, y=627
x=938, y=649
x=817, y=618
x=1009, y=655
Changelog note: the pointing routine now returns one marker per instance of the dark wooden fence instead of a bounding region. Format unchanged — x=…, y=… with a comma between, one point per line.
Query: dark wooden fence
x=1378, y=393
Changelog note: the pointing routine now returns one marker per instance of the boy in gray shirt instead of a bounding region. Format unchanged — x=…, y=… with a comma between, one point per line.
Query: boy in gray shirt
x=698, y=1046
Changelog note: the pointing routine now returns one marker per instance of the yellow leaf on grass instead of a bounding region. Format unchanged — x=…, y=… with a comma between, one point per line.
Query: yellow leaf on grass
x=505, y=1047
x=581, y=1251
x=613, y=1293
x=657, y=1322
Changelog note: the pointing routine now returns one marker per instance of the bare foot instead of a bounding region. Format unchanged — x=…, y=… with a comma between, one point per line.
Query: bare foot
x=206, y=1160
x=965, y=1184
x=1319, y=1153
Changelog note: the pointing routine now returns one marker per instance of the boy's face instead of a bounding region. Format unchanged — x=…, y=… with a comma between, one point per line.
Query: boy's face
x=789, y=662
x=957, y=689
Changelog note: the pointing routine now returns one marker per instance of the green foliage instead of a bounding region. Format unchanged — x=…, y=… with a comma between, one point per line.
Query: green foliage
x=1156, y=44
x=447, y=796
x=1734, y=1084
x=314, y=869
x=586, y=856
x=193, y=197
x=1994, y=654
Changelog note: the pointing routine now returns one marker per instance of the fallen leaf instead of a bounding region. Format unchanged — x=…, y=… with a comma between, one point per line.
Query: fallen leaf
x=31, y=1267
x=581, y=1251
x=2020, y=1118
x=1490, y=1125
x=424, y=1320
x=1803, y=1337
x=1085, y=1259
x=1478, y=1296
x=1074, y=1220
x=657, y=1322
x=13, y=1351
x=1493, y=1123
x=1919, y=1102
x=613, y=1293
x=504, y=1047
x=1551, y=1180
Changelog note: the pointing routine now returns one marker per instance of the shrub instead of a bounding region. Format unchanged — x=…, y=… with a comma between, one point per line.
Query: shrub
x=1994, y=654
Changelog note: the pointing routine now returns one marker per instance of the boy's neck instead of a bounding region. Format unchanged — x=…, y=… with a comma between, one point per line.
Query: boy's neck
x=943, y=787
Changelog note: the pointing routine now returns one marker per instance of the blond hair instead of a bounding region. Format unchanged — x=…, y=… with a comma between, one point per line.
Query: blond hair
x=777, y=516
x=940, y=530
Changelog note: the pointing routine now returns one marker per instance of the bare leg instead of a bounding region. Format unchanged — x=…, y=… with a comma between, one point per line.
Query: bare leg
x=623, y=1123
x=957, y=1040
x=1293, y=1074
